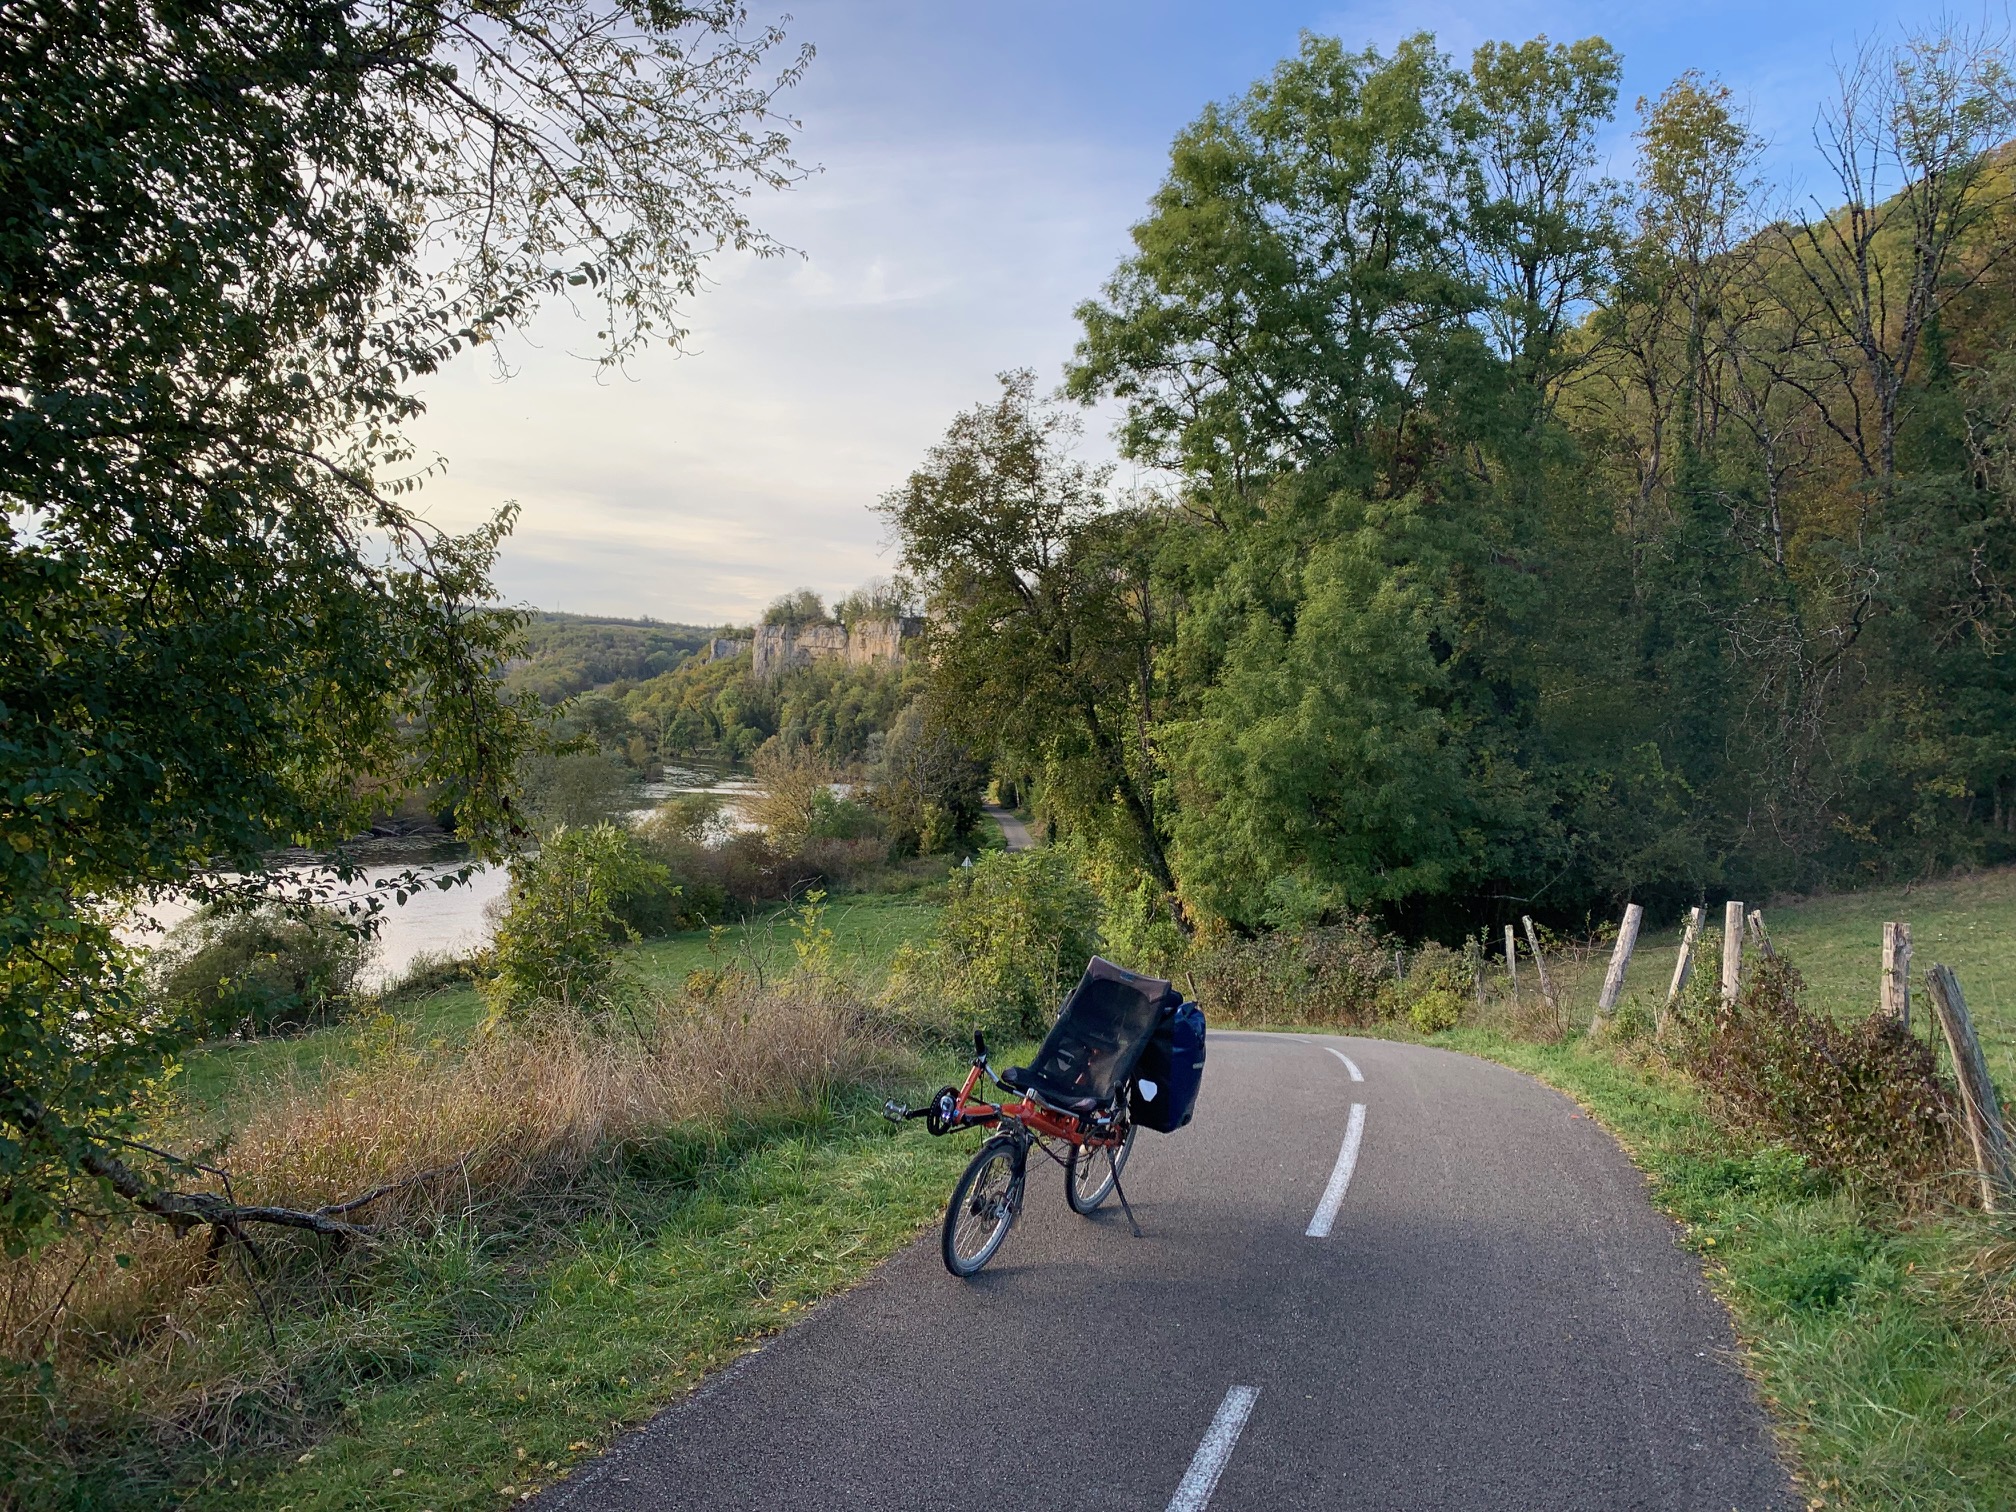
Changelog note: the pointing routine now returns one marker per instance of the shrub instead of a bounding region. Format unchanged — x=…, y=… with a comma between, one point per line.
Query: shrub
x=1137, y=917
x=694, y=818
x=1016, y=932
x=1437, y=984
x=681, y=835
x=555, y=944
x=1330, y=974
x=1861, y=1100
x=708, y=883
x=430, y=971
x=580, y=790
x=927, y=784
x=837, y=860
x=1434, y=1010
x=835, y=818
x=796, y=787
x=268, y=970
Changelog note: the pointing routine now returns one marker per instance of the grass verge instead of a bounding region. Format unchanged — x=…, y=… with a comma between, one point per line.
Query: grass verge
x=477, y=1355
x=627, y=1312
x=867, y=929
x=1883, y=1342
x=606, y=1212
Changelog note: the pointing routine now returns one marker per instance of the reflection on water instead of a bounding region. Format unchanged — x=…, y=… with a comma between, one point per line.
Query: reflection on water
x=434, y=921
x=734, y=789
x=451, y=921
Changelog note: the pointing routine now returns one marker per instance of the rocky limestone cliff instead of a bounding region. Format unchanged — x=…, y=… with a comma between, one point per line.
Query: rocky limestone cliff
x=883, y=641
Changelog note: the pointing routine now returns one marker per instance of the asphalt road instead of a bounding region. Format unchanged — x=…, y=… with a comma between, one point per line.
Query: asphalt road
x=1496, y=1319
x=1014, y=833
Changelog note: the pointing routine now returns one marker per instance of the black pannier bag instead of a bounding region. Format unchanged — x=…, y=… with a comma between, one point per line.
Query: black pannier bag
x=1171, y=1070
x=1092, y=1049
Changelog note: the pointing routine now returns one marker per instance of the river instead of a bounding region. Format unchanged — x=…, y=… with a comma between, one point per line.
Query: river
x=452, y=921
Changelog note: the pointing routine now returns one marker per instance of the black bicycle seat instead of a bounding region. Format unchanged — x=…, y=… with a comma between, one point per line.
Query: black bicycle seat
x=1019, y=1078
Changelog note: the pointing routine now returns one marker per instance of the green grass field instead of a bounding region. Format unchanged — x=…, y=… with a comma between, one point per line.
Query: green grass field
x=1968, y=923
x=867, y=929
x=619, y=1315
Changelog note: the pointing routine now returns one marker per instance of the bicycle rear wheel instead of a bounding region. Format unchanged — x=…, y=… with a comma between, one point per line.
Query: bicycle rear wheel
x=1089, y=1176
x=983, y=1206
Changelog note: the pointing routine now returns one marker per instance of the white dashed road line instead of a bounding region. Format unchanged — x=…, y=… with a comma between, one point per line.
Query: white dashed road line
x=1201, y=1479
x=1349, y=1064
x=1340, y=1175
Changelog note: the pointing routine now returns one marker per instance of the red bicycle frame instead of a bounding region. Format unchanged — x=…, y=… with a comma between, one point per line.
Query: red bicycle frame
x=962, y=1108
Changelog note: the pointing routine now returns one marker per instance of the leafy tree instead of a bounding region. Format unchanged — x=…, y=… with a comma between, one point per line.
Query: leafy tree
x=1041, y=642
x=1909, y=140
x=876, y=599
x=555, y=944
x=574, y=788
x=797, y=609
x=1331, y=752
x=927, y=784
x=1294, y=291
x=791, y=784
x=1541, y=226
x=231, y=235
x=257, y=972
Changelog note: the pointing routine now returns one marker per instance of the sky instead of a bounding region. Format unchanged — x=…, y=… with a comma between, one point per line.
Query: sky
x=980, y=165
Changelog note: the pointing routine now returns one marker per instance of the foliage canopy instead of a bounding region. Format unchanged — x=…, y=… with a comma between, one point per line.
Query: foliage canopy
x=1526, y=540
x=232, y=234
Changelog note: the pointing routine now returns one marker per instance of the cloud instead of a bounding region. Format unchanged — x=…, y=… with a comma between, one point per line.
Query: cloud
x=699, y=485
x=981, y=168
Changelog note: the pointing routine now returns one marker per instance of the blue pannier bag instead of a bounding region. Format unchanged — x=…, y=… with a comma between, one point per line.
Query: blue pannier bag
x=1170, y=1071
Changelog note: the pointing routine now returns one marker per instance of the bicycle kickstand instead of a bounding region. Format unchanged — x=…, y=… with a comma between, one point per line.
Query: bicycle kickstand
x=1121, y=1192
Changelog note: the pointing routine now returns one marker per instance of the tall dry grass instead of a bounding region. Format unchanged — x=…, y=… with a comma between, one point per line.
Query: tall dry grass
x=531, y=1108
x=149, y=1340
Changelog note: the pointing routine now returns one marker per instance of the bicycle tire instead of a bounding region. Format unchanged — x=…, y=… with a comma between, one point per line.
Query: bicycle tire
x=988, y=1193
x=1089, y=1163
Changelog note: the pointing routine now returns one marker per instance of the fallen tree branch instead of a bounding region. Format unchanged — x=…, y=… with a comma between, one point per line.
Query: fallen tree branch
x=390, y=1187
x=184, y=1210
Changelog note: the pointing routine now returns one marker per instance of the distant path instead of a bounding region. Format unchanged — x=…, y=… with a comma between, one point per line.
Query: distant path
x=1375, y=1277
x=1013, y=830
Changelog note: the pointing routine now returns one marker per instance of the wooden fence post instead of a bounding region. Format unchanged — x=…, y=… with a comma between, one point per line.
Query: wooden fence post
x=1985, y=1128
x=1683, y=967
x=1897, y=973
x=1540, y=966
x=1758, y=934
x=1512, y=961
x=1732, y=950
x=1613, y=979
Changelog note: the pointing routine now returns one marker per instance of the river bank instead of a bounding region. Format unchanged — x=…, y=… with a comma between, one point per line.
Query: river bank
x=435, y=920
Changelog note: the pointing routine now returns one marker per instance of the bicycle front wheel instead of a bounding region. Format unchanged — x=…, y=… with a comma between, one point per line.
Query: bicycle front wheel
x=982, y=1208
x=1090, y=1175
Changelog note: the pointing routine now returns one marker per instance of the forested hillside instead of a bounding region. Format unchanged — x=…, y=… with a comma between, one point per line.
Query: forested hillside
x=1530, y=539
x=566, y=654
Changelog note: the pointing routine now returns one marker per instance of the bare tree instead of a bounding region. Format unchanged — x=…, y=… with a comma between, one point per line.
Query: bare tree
x=1911, y=144
x=1696, y=198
